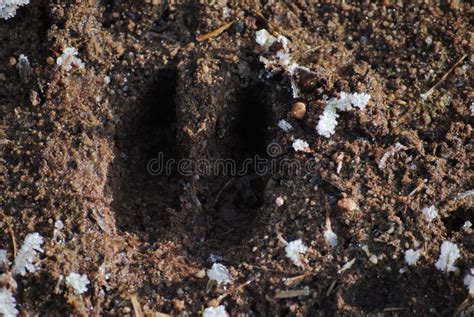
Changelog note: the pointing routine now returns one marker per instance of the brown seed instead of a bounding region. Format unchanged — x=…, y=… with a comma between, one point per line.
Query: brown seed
x=298, y=110
x=50, y=60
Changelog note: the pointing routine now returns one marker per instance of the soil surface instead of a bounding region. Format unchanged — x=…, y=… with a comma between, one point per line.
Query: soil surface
x=76, y=146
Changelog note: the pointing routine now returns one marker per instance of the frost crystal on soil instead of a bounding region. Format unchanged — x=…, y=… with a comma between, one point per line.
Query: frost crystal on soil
x=430, y=213
x=7, y=303
x=469, y=282
x=77, y=282
x=300, y=145
x=68, y=58
x=215, y=312
x=263, y=38
x=220, y=274
x=330, y=237
x=465, y=194
x=398, y=147
x=328, y=119
x=3, y=256
x=294, y=250
x=285, y=125
x=25, y=257
x=282, y=59
x=8, y=7
x=412, y=256
x=448, y=256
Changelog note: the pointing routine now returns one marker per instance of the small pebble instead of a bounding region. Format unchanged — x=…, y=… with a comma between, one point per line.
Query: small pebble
x=177, y=304
x=12, y=61
x=279, y=201
x=298, y=110
x=200, y=274
x=347, y=205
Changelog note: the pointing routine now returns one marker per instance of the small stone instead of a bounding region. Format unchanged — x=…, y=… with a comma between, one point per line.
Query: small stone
x=279, y=201
x=200, y=274
x=361, y=68
x=347, y=205
x=177, y=304
x=2, y=77
x=12, y=61
x=298, y=110
x=34, y=98
x=373, y=259
x=50, y=60
x=119, y=49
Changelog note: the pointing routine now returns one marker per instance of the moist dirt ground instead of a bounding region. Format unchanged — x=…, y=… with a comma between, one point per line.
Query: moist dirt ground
x=75, y=147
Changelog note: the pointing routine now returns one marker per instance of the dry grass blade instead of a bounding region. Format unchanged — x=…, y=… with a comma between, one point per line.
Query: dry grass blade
x=432, y=89
x=137, y=309
x=293, y=281
x=215, y=32
x=292, y=293
x=12, y=233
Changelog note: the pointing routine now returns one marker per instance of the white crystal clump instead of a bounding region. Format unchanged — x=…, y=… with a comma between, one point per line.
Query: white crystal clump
x=330, y=237
x=295, y=250
x=397, y=148
x=7, y=303
x=412, y=256
x=27, y=253
x=300, y=145
x=215, y=312
x=285, y=125
x=447, y=257
x=78, y=282
x=220, y=274
x=328, y=119
x=69, y=58
x=282, y=59
x=263, y=38
x=3, y=256
x=430, y=213
x=8, y=7
x=469, y=281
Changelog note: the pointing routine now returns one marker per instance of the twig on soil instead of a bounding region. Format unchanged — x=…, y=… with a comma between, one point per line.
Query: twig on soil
x=417, y=189
x=137, y=309
x=12, y=233
x=215, y=32
x=273, y=26
x=252, y=266
x=293, y=281
x=432, y=89
x=331, y=287
x=292, y=293
x=390, y=309
x=216, y=200
x=237, y=289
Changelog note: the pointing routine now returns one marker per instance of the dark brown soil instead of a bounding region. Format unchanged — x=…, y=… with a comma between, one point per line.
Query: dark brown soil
x=74, y=148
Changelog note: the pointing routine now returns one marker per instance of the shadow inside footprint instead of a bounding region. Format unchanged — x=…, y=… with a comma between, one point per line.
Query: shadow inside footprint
x=142, y=199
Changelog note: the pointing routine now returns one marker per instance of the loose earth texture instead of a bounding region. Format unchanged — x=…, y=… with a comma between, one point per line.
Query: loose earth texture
x=76, y=147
